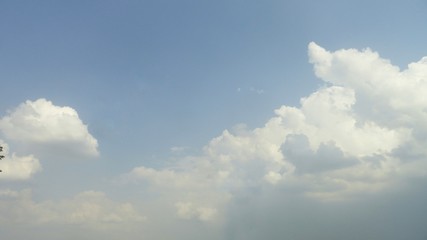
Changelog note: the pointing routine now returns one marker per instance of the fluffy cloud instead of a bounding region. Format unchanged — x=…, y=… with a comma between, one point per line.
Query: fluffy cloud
x=384, y=94
x=16, y=167
x=43, y=125
x=363, y=132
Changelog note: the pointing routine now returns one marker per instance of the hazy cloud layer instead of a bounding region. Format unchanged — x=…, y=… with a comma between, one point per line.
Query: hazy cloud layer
x=90, y=209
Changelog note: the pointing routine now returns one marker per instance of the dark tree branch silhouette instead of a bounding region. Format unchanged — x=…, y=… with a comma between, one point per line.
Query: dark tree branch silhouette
x=1, y=156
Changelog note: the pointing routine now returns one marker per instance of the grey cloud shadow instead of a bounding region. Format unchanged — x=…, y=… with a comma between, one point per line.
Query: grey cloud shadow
x=327, y=157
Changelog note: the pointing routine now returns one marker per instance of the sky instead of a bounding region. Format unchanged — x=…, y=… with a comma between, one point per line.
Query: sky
x=227, y=119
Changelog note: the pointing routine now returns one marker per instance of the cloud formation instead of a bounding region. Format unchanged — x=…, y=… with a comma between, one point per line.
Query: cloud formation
x=363, y=132
x=15, y=167
x=43, y=125
x=42, y=130
x=359, y=140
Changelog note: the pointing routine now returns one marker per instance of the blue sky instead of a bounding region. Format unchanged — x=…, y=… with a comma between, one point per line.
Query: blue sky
x=162, y=114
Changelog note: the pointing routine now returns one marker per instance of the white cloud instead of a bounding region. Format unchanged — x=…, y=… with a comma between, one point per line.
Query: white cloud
x=363, y=132
x=16, y=167
x=328, y=115
x=358, y=135
x=384, y=93
x=43, y=125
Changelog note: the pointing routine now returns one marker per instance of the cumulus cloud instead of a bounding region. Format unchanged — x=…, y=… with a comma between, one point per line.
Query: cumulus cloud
x=43, y=125
x=363, y=132
x=359, y=139
x=384, y=94
x=328, y=157
x=15, y=167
